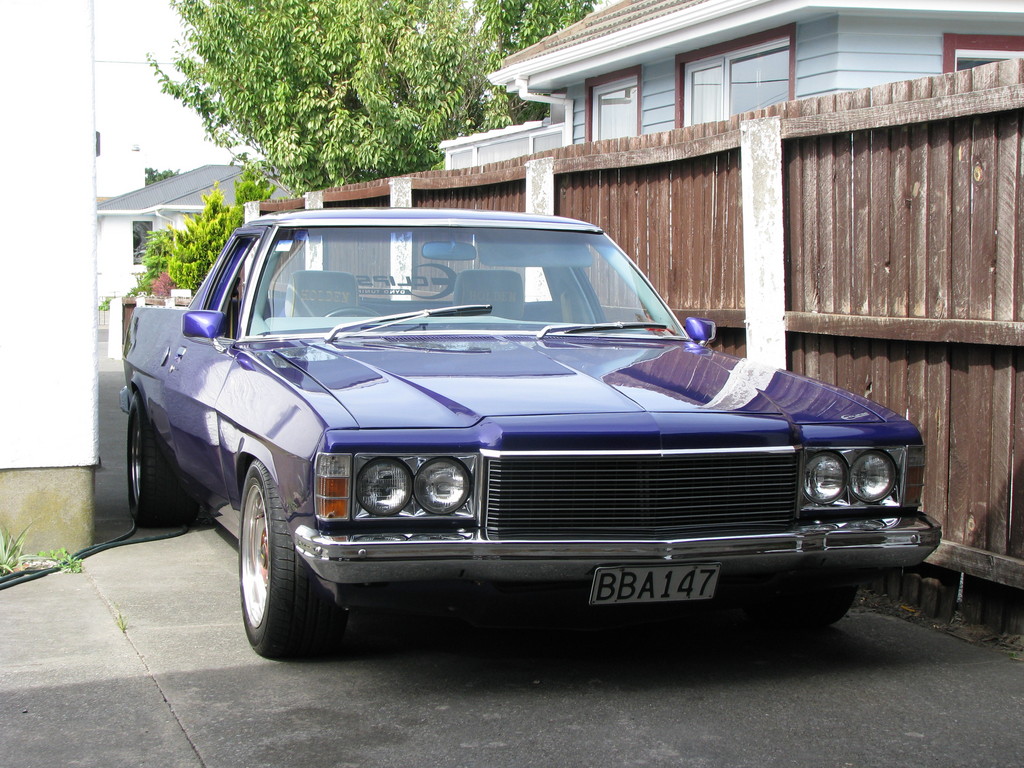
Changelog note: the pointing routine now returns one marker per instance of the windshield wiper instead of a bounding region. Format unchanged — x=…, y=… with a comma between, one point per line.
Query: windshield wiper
x=376, y=323
x=599, y=327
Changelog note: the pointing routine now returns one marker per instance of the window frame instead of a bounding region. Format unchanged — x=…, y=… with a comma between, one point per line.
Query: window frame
x=733, y=49
x=955, y=44
x=604, y=81
x=138, y=251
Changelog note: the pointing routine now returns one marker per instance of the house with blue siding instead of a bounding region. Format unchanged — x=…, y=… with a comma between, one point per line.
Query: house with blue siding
x=643, y=66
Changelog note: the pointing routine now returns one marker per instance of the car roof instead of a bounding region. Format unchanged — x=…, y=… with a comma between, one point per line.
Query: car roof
x=422, y=217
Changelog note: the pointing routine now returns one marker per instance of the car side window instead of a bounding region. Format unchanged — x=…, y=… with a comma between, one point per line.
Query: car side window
x=227, y=295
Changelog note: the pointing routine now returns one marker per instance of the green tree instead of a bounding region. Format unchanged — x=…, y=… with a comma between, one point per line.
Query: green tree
x=153, y=175
x=510, y=26
x=155, y=258
x=331, y=91
x=198, y=244
x=253, y=185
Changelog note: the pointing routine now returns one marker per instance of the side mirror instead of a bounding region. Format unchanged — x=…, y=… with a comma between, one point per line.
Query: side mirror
x=203, y=324
x=701, y=330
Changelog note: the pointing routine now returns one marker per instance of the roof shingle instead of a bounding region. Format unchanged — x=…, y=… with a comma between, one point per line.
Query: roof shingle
x=184, y=190
x=614, y=18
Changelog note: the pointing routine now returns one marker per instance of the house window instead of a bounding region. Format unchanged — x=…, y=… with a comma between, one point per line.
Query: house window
x=614, y=105
x=140, y=232
x=740, y=76
x=961, y=52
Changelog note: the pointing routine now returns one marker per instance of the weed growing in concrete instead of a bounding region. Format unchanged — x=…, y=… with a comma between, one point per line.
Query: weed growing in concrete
x=63, y=559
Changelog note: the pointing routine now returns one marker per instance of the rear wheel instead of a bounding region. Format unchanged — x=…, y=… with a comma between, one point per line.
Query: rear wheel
x=155, y=497
x=283, y=615
x=808, y=610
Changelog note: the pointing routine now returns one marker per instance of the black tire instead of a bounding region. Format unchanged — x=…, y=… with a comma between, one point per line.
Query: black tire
x=283, y=615
x=155, y=497
x=808, y=610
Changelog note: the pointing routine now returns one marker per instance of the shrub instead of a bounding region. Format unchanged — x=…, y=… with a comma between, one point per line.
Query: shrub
x=198, y=245
x=162, y=285
x=11, y=550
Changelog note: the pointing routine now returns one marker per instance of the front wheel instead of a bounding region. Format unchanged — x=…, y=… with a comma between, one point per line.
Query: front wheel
x=283, y=615
x=808, y=610
x=155, y=497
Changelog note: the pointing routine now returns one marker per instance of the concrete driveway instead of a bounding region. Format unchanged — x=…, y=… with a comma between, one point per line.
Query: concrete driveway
x=179, y=685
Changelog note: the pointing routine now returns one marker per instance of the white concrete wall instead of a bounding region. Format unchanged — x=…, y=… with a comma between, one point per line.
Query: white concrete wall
x=48, y=392
x=116, y=272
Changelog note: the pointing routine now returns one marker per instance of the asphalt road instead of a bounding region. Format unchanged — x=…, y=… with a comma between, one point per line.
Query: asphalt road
x=179, y=685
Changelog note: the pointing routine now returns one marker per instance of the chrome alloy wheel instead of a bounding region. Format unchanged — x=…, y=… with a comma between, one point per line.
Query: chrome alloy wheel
x=255, y=548
x=135, y=458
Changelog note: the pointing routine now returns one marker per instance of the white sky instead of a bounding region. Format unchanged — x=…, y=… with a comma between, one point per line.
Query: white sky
x=130, y=108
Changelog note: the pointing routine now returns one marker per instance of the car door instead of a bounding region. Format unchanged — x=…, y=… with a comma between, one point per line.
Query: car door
x=196, y=373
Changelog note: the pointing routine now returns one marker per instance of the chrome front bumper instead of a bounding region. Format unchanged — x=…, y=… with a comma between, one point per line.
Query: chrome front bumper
x=371, y=558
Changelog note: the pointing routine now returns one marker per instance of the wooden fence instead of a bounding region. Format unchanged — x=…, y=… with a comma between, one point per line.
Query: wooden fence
x=904, y=269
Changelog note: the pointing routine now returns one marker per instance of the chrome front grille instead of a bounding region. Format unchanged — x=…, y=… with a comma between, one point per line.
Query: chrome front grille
x=639, y=497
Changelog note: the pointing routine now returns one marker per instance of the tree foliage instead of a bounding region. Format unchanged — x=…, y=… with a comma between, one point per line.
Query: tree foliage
x=153, y=175
x=516, y=24
x=338, y=91
x=155, y=258
x=193, y=250
x=331, y=91
x=511, y=26
x=198, y=244
x=253, y=185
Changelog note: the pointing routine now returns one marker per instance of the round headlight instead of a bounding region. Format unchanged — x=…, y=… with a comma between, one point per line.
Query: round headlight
x=825, y=477
x=384, y=487
x=442, y=486
x=872, y=476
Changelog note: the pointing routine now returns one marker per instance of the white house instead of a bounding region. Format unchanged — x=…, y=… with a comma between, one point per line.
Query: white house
x=644, y=66
x=126, y=220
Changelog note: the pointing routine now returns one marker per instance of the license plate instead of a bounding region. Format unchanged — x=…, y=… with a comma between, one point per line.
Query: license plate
x=654, y=584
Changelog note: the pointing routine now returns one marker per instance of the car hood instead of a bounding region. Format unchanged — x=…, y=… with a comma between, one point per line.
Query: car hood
x=456, y=381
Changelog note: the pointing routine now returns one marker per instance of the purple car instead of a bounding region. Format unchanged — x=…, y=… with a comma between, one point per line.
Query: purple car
x=495, y=416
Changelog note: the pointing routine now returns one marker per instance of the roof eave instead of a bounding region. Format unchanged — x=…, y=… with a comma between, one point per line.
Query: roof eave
x=151, y=211
x=550, y=69
x=630, y=45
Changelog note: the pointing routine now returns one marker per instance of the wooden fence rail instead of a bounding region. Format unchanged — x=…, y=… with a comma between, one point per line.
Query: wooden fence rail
x=903, y=261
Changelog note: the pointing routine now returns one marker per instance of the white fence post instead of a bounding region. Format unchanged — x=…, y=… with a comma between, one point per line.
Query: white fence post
x=115, y=329
x=314, y=201
x=764, y=256
x=540, y=186
x=401, y=192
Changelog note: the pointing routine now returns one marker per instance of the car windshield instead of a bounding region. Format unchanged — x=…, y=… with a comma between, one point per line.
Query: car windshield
x=316, y=279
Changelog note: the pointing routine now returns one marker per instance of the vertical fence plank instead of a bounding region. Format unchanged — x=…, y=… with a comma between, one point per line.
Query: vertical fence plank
x=934, y=422
x=795, y=251
x=843, y=233
x=1006, y=177
x=826, y=225
x=963, y=153
x=940, y=208
x=984, y=179
x=899, y=195
x=880, y=223
x=918, y=184
x=1015, y=523
x=1000, y=452
x=862, y=268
